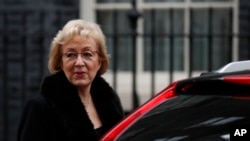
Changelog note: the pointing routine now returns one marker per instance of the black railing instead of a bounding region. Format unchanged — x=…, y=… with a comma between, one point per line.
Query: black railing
x=133, y=16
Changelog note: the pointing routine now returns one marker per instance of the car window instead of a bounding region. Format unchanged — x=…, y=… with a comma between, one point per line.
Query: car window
x=195, y=118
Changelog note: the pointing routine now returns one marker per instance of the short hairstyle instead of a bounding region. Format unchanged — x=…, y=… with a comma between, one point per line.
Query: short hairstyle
x=82, y=28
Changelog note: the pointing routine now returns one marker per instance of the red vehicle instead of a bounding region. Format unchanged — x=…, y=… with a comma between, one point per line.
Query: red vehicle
x=204, y=108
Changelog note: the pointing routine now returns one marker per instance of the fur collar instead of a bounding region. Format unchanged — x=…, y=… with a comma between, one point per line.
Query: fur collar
x=58, y=87
x=68, y=108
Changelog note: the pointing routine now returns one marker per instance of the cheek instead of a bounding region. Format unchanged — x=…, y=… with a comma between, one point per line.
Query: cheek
x=98, y=65
x=94, y=68
x=66, y=66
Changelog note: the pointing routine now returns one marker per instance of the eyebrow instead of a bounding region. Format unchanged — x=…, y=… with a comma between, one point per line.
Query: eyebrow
x=86, y=48
x=70, y=49
x=83, y=49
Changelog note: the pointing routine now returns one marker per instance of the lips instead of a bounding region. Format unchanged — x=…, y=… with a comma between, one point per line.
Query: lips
x=80, y=73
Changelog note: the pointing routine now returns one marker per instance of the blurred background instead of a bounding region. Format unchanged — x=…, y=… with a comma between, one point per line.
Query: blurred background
x=151, y=43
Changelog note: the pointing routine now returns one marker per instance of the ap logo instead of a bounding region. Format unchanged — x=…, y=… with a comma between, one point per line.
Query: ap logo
x=240, y=132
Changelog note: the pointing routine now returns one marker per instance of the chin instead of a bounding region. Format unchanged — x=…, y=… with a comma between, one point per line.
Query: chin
x=80, y=83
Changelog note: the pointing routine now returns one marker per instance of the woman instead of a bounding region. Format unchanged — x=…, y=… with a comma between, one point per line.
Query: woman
x=76, y=103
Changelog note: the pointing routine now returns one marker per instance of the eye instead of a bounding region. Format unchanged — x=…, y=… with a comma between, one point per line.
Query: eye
x=71, y=54
x=87, y=54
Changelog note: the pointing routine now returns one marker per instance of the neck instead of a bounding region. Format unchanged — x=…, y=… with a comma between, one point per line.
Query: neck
x=84, y=93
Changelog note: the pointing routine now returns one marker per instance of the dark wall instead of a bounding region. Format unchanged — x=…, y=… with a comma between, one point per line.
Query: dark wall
x=244, y=29
x=26, y=30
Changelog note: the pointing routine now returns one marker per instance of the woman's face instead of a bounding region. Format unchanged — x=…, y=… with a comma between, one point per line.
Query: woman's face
x=80, y=60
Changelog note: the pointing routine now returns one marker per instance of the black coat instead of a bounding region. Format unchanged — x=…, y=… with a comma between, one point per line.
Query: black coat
x=59, y=115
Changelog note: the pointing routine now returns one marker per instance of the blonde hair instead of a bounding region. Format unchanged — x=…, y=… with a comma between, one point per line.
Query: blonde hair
x=82, y=28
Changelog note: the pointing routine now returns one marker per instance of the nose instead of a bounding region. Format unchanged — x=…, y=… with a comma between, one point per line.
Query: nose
x=79, y=61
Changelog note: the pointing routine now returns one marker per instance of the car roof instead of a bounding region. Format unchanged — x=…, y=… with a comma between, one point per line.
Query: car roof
x=231, y=79
x=229, y=83
x=235, y=66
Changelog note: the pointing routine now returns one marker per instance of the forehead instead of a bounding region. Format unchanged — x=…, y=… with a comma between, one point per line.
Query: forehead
x=80, y=43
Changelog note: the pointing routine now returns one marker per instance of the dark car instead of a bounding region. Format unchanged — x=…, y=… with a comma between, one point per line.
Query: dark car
x=211, y=107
